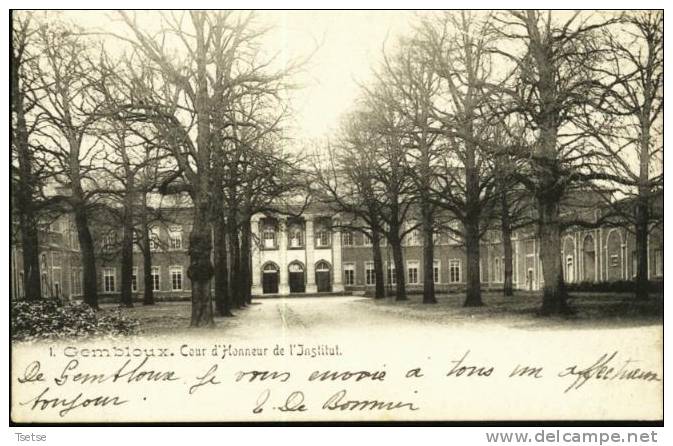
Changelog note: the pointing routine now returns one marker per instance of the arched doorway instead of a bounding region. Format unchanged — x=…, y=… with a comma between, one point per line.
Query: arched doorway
x=297, y=282
x=589, y=259
x=270, y=278
x=323, y=276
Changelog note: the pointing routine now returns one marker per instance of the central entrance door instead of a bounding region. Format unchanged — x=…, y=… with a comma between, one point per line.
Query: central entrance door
x=296, y=271
x=270, y=279
x=323, y=277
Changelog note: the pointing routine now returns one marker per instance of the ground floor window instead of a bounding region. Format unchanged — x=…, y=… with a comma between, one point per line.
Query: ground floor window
x=392, y=274
x=176, y=278
x=156, y=279
x=435, y=271
x=412, y=272
x=454, y=271
x=108, y=280
x=370, y=276
x=349, y=274
x=76, y=281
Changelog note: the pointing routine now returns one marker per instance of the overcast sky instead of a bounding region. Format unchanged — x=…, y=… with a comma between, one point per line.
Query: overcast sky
x=345, y=46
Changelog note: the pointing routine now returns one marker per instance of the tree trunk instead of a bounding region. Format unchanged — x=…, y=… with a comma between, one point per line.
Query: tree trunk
x=200, y=269
x=246, y=260
x=643, y=208
x=27, y=214
x=473, y=283
x=428, y=257
x=400, y=288
x=222, y=304
x=31, y=256
x=148, y=292
x=642, y=220
x=506, y=243
x=235, y=260
x=380, y=291
x=554, y=298
x=126, y=299
x=88, y=257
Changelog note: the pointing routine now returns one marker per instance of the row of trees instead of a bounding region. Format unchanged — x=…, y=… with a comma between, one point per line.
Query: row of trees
x=194, y=108
x=500, y=120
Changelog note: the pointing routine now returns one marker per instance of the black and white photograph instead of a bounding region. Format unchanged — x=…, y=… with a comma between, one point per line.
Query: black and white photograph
x=354, y=217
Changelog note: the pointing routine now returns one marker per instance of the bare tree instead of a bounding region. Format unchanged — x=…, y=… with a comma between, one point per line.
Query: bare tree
x=211, y=57
x=68, y=110
x=24, y=166
x=456, y=46
x=554, y=57
x=410, y=86
x=633, y=137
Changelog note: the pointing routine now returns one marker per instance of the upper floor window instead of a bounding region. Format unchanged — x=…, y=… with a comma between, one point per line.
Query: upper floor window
x=413, y=238
x=367, y=238
x=323, y=234
x=296, y=235
x=269, y=234
x=109, y=241
x=347, y=238
x=175, y=237
x=154, y=239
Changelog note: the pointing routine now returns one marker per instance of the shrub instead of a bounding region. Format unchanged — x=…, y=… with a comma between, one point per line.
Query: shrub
x=51, y=319
x=617, y=286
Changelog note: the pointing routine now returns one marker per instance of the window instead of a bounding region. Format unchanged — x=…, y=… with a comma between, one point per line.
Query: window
x=323, y=235
x=269, y=235
x=176, y=277
x=296, y=235
x=412, y=272
x=658, y=266
x=392, y=274
x=134, y=279
x=454, y=271
x=349, y=273
x=435, y=270
x=109, y=280
x=366, y=239
x=76, y=281
x=347, y=238
x=154, y=239
x=570, y=272
x=370, y=276
x=614, y=260
x=497, y=272
x=156, y=279
x=175, y=237
x=634, y=263
x=109, y=241
x=413, y=238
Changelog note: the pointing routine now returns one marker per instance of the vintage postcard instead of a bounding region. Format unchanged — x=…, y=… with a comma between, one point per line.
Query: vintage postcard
x=336, y=216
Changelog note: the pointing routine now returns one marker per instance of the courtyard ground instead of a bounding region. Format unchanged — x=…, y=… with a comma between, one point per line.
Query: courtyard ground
x=593, y=310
